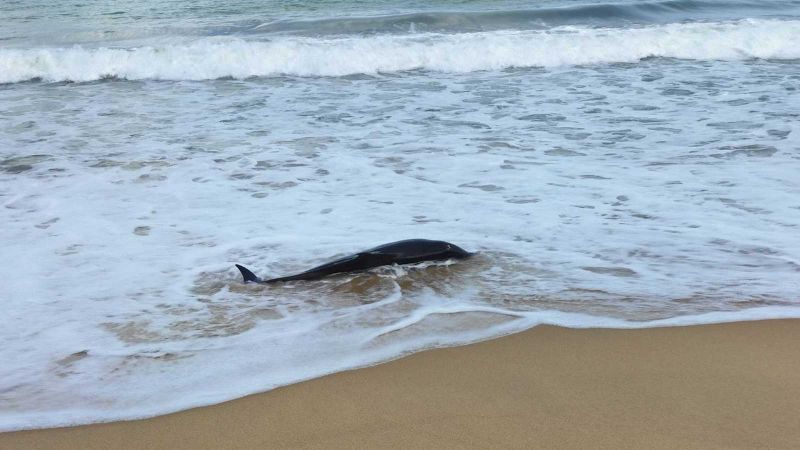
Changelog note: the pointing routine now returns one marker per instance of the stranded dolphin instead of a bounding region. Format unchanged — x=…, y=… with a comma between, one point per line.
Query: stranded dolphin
x=400, y=252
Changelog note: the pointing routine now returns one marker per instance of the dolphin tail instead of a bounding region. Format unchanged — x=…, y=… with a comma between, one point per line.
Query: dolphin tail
x=248, y=275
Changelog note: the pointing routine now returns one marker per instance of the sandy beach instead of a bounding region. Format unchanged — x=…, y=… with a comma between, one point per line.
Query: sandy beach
x=712, y=386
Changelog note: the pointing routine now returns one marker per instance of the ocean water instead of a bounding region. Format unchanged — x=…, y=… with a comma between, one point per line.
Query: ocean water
x=615, y=164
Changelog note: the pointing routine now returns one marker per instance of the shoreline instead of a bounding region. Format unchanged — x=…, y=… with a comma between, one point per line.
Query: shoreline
x=700, y=386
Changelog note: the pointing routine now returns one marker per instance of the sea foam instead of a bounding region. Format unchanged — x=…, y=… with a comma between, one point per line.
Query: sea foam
x=611, y=195
x=215, y=57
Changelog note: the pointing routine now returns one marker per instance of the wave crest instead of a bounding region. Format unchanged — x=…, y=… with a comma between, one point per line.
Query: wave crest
x=212, y=58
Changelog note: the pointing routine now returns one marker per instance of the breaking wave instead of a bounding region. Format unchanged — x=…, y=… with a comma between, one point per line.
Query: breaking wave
x=219, y=57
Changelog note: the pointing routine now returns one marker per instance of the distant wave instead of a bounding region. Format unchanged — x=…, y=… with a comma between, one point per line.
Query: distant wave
x=598, y=14
x=211, y=58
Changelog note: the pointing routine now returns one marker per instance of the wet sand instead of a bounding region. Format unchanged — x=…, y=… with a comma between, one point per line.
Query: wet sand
x=712, y=386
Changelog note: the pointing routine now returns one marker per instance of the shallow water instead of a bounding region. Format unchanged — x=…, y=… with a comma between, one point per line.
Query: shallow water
x=621, y=165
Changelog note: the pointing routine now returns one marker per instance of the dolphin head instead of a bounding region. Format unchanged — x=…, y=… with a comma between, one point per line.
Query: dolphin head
x=454, y=251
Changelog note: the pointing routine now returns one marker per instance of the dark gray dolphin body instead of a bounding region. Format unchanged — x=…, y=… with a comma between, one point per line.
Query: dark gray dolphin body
x=400, y=252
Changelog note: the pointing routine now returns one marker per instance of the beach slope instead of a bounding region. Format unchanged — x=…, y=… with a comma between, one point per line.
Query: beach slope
x=712, y=386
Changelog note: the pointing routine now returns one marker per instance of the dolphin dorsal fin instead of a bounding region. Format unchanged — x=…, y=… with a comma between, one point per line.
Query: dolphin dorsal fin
x=248, y=275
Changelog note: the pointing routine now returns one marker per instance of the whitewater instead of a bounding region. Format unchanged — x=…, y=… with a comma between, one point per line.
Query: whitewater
x=219, y=57
x=622, y=165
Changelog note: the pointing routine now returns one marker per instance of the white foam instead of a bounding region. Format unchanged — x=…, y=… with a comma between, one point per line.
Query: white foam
x=212, y=58
x=654, y=194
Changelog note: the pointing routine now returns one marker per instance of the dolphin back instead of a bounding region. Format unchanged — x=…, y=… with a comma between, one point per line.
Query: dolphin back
x=401, y=252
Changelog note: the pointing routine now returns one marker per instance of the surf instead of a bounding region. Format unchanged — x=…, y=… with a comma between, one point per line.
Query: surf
x=227, y=57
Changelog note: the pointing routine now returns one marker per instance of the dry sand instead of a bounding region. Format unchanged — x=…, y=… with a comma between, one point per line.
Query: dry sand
x=713, y=386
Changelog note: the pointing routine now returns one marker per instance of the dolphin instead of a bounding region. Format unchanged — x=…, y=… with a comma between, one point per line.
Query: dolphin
x=401, y=252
